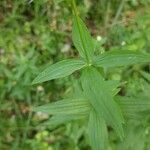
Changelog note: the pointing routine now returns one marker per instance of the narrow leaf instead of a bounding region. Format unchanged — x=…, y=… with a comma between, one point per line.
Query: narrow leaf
x=98, y=93
x=120, y=58
x=67, y=106
x=146, y=75
x=82, y=38
x=113, y=86
x=97, y=131
x=59, y=70
x=56, y=120
x=134, y=104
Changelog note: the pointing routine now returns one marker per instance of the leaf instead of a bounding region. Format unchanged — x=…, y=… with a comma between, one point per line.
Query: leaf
x=120, y=58
x=67, y=106
x=134, y=107
x=145, y=75
x=134, y=104
x=59, y=70
x=82, y=39
x=56, y=120
x=113, y=86
x=97, y=131
x=95, y=89
x=77, y=89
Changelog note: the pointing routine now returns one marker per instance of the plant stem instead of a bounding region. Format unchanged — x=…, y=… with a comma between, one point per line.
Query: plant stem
x=75, y=11
x=118, y=12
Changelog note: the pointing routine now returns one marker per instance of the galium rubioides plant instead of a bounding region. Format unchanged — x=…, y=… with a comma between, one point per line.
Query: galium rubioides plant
x=97, y=101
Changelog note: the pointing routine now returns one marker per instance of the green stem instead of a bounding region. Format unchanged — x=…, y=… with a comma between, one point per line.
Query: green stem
x=79, y=27
x=118, y=12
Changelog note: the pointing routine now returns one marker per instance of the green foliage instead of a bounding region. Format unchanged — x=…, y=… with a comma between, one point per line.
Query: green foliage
x=33, y=33
x=101, y=99
x=121, y=58
x=68, y=107
x=82, y=39
x=58, y=1
x=101, y=108
x=146, y=75
x=137, y=104
x=97, y=130
x=59, y=70
x=60, y=119
x=134, y=107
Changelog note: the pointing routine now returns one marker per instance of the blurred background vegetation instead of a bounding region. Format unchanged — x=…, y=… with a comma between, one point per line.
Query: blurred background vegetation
x=36, y=33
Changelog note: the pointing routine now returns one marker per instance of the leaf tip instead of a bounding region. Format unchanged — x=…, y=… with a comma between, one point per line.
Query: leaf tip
x=34, y=82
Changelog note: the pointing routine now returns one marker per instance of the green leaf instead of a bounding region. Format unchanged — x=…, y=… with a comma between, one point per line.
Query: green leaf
x=67, y=106
x=59, y=70
x=82, y=39
x=98, y=93
x=134, y=108
x=134, y=104
x=56, y=120
x=120, y=58
x=97, y=131
x=145, y=75
x=113, y=86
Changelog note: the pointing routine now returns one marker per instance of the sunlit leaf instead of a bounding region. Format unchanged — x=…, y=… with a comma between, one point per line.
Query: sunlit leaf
x=97, y=131
x=120, y=58
x=59, y=70
x=98, y=93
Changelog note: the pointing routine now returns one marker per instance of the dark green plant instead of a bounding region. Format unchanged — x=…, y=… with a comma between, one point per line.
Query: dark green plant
x=96, y=102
